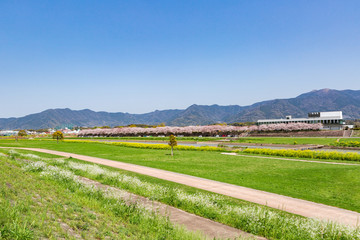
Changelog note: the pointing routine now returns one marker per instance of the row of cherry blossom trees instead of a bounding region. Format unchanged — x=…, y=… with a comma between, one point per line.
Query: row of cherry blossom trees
x=212, y=130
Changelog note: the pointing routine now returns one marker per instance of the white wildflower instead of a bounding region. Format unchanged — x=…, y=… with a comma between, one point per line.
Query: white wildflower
x=35, y=166
x=255, y=216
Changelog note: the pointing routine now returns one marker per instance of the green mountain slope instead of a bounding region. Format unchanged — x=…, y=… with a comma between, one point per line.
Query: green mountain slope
x=347, y=101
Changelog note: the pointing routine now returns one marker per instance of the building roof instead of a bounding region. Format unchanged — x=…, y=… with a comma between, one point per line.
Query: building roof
x=334, y=115
x=299, y=119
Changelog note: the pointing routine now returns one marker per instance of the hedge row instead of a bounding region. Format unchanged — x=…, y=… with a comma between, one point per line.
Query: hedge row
x=305, y=154
x=152, y=146
x=347, y=144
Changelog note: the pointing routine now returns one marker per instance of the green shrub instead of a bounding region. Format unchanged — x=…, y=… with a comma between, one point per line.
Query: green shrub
x=347, y=144
x=305, y=154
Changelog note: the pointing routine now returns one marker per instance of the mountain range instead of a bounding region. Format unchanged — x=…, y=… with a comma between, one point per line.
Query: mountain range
x=347, y=101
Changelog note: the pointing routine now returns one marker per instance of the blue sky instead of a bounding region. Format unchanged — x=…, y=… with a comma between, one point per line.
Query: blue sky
x=139, y=56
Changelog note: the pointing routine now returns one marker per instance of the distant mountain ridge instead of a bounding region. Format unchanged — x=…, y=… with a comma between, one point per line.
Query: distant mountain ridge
x=347, y=101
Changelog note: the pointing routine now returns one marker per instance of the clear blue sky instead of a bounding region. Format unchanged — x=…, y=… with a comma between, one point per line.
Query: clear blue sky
x=139, y=56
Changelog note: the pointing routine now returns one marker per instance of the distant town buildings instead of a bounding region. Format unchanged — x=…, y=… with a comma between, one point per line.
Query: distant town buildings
x=8, y=133
x=43, y=132
x=330, y=120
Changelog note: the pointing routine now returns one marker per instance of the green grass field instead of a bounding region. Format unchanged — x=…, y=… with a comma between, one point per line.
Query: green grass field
x=185, y=139
x=335, y=185
x=61, y=174
x=261, y=140
x=291, y=140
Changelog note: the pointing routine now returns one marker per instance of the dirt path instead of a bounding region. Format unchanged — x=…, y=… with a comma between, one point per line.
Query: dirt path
x=294, y=160
x=289, y=204
x=190, y=221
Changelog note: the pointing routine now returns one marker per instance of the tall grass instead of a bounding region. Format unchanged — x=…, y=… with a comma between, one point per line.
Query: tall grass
x=12, y=225
x=150, y=224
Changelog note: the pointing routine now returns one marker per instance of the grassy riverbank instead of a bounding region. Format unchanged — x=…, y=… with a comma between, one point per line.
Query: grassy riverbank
x=273, y=224
x=37, y=206
x=316, y=182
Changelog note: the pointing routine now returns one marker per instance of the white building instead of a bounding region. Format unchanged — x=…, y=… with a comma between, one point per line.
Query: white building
x=330, y=120
x=8, y=133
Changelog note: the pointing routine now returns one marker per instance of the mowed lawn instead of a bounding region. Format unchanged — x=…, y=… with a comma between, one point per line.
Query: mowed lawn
x=263, y=140
x=336, y=185
x=291, y=140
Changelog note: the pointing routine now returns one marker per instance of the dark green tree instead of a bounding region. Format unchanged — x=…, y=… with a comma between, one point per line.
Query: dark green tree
x=172, y=143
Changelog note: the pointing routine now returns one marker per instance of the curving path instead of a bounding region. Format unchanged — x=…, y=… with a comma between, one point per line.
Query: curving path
x=289, y=204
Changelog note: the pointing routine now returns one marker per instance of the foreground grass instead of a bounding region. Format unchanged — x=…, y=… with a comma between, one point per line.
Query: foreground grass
x=273, y=224
x=335, y=185
x=35, y=206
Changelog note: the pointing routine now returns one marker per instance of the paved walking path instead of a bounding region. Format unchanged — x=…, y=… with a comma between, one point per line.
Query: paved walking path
x=289, y=204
